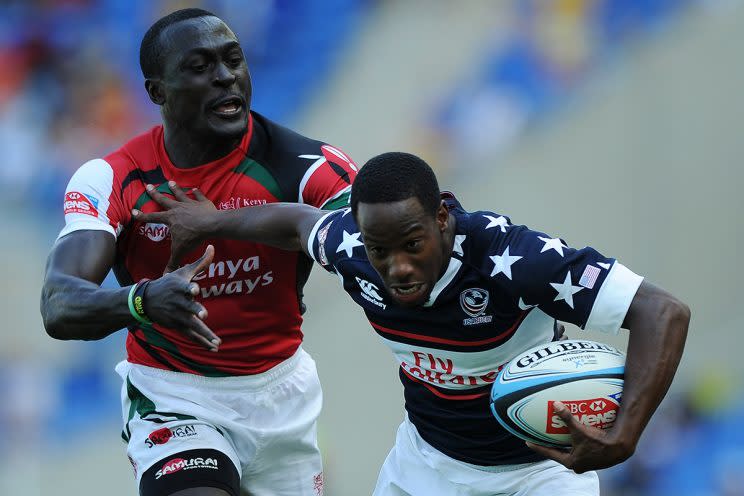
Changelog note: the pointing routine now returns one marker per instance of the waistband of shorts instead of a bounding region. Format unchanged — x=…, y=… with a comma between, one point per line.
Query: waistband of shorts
x=253, y=382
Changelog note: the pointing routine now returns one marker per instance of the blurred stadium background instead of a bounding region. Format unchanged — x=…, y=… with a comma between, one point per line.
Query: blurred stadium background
x=615, y=123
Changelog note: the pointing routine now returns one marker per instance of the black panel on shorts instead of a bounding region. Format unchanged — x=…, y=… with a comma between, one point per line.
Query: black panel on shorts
x=192, y=468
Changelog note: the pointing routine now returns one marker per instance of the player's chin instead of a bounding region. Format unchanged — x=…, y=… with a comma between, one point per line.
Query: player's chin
x=232, y=127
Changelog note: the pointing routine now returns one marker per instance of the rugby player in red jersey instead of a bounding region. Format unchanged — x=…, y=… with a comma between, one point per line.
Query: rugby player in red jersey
x=218, y=395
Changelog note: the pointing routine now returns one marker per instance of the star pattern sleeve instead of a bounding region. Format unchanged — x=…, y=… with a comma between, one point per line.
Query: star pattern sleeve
x=323, y=243
x=534, y=269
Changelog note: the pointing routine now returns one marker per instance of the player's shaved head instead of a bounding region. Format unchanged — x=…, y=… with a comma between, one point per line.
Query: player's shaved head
x=395, y=176
x=151, y=48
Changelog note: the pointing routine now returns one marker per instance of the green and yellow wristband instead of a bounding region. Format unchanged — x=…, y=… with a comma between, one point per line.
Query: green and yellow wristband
x=136, y=301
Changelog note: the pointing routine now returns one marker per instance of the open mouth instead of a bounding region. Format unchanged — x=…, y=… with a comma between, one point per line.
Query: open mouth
x=408, y=293
x=228, y=107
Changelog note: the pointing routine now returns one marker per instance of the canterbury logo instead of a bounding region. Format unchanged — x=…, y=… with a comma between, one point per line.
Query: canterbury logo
x=369, y=288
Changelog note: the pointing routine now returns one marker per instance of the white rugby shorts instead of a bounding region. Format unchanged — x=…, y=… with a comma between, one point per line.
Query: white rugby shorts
x=264, y=423
x=415, y=468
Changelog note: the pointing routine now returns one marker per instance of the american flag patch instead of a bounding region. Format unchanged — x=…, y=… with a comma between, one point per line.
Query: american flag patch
x=589, y=277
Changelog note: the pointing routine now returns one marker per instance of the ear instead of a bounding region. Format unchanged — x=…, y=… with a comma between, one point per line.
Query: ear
x=155, y=91
x=442, y=217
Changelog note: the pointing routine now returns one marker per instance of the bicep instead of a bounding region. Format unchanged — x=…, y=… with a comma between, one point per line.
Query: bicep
x=87, y=254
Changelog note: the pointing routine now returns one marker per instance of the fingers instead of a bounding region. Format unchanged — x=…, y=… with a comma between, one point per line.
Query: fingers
x=203, y=334
x=159, y=198
x=178, y=251
x=178, y=193
x=202, y=263
x=154, y=217
x=560, y=409
x=199, y=195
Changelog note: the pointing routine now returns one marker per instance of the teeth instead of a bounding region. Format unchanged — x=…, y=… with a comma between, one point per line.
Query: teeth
x=228, y=108
x=410, y=290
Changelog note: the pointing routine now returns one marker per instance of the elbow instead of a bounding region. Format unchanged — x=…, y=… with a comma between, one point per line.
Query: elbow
x=677, y=316
x=52, y=318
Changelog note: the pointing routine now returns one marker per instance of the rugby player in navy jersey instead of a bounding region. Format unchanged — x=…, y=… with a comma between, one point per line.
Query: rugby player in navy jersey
x=456, y=295
x=213, y=348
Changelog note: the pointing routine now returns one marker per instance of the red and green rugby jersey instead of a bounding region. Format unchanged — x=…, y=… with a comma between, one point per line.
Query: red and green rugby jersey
x=253, y=292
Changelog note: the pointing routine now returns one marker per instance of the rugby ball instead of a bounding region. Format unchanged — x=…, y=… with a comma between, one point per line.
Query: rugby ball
x=584, y=375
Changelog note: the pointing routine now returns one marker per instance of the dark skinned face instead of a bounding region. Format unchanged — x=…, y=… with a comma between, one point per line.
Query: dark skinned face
x=408, y=247
x=205, y=87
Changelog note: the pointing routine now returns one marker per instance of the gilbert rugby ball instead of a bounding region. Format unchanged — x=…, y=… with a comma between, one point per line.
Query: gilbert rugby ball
x=584, y=375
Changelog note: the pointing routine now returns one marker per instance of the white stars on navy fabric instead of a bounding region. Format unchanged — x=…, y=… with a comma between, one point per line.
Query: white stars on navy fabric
x=503, y=263
x=499, y=222
x=350, y=242
x=566, y=290
x=552, y=244
x=457, y=247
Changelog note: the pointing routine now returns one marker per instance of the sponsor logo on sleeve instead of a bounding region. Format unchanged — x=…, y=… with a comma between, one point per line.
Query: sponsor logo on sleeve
x=593, y=412
x=79, y=203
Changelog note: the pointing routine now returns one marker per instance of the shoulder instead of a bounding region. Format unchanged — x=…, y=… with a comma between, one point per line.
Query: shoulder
x=307, y=170
x=138, y=152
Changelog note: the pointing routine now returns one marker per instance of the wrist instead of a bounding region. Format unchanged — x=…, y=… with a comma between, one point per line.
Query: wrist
x=136, y=302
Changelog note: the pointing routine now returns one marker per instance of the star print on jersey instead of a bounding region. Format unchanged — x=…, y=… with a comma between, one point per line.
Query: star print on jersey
x=457, y=248
x=499, y=222
x=350, y=242
x=552, y=244
x=503, y=263
x=566, y=290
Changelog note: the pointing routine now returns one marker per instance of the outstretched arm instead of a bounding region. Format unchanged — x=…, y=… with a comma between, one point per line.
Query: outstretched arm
x=282, y=225
x=658, y=324
x=74, y=306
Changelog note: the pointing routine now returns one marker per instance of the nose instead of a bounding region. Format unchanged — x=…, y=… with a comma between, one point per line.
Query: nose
x=223, y=75
x=400, y=268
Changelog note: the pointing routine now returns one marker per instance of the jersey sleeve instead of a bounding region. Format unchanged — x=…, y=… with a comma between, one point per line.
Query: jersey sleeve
x=91, y=202
x=333, y=239
x=327, y=182
x=580, y=286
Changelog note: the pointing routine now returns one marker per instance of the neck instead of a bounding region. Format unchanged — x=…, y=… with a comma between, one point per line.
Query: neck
x=187, y=151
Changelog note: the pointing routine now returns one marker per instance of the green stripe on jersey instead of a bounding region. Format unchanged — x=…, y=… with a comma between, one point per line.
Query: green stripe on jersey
x=154, y=338
x=144, y=197
x=257, y=172
x=337, y=203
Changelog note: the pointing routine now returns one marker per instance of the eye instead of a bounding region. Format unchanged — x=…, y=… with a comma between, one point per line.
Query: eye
x=235, y=61
x=199, y=67
x=413, y=244
x=376, y=252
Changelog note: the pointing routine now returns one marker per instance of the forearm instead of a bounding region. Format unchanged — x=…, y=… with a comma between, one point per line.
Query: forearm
x=73, y=308
x=655, y=346
x=279, y=224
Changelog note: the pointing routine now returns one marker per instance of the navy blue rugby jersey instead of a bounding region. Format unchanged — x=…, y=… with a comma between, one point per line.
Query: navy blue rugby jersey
x=501, y=293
